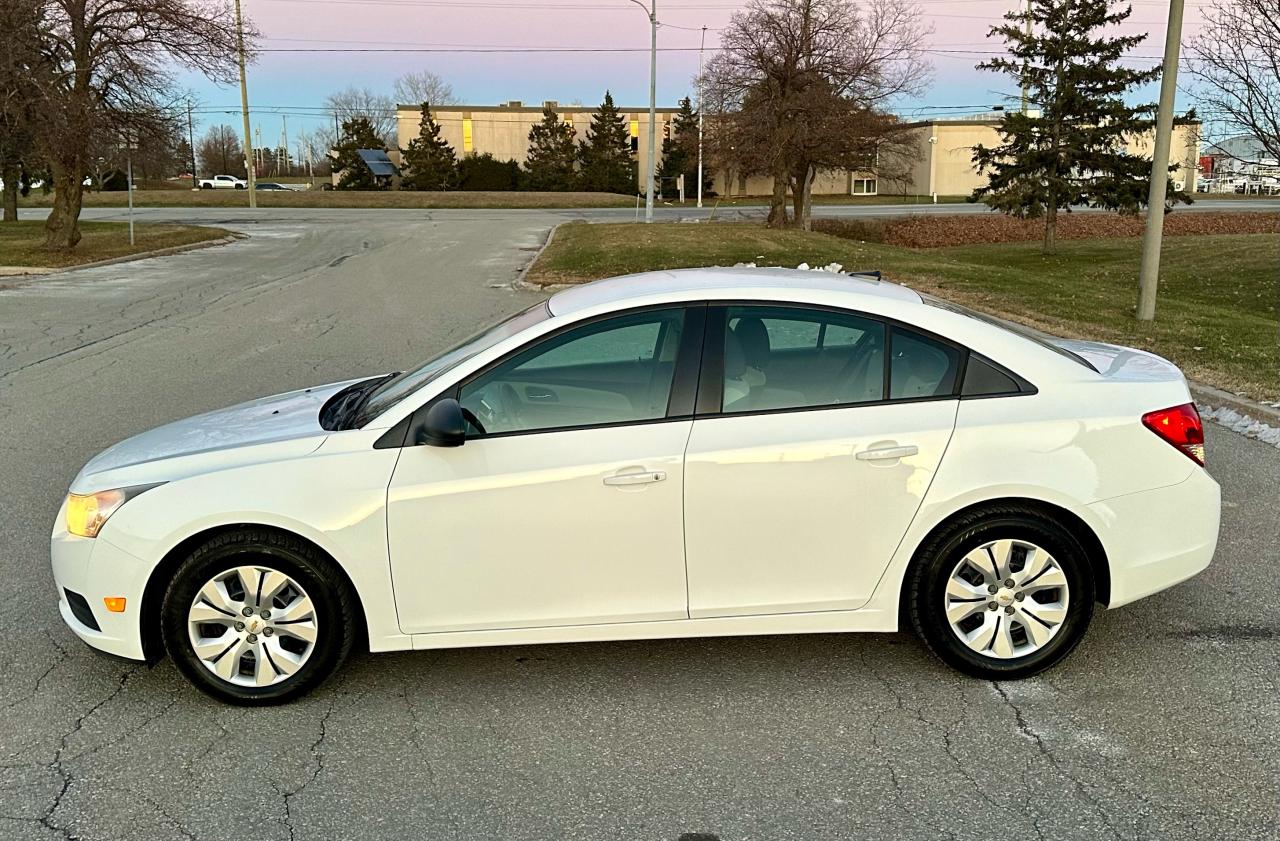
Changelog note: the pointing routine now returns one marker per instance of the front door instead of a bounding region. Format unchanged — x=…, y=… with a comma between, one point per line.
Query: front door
x=565, y=505
x=804, y=475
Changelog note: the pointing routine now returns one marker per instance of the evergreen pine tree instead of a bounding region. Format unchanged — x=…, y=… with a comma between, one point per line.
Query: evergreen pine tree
x=357, y=133
x=680, y=152
x=429, y=157
x=605, y=154
x=1072, y=153
x=552, y=156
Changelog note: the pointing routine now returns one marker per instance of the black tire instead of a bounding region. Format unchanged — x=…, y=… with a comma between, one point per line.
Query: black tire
x=206, y=186
x=927, y=581
x=334, y=603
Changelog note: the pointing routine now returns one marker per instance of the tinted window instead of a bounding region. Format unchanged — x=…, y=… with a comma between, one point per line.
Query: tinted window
x=792, y=357
x=921, y=367
x=613, y=371
x=982, y=379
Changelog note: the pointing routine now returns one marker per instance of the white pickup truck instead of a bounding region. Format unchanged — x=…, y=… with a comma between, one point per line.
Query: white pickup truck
x=223, y=182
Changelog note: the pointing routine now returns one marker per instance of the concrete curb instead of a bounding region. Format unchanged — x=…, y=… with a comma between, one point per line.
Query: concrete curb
x=1216, y=398
x=520, y=282
x=31, y=274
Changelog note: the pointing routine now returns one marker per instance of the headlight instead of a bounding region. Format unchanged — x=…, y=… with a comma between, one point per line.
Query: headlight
x=88, y=513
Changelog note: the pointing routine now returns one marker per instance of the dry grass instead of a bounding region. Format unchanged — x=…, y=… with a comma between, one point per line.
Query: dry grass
x=22, y=243
x=939, y=231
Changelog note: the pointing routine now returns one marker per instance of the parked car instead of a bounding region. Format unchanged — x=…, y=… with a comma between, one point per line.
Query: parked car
x=269, y=185
x=675, y=454
x=222, y=182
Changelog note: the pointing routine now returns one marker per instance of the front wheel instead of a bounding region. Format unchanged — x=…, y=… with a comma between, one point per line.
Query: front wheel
x=1002, y=595
x=257, y=618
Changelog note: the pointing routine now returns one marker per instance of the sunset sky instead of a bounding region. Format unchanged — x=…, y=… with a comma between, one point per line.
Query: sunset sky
x=292, y=76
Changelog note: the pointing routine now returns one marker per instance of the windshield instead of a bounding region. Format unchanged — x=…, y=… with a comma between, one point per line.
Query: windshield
x=396, y=389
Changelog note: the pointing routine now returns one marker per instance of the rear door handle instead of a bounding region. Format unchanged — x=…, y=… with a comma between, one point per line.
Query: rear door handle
x=646, y=477
x=886, y=453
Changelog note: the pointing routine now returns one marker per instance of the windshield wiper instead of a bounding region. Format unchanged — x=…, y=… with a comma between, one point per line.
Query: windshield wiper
x=345, y=406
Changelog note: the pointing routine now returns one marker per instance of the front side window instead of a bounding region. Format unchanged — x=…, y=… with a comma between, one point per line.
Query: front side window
x=793, y=357
x=618, y=370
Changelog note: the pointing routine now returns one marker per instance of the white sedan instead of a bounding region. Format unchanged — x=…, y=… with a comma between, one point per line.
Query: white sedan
x=675, y=454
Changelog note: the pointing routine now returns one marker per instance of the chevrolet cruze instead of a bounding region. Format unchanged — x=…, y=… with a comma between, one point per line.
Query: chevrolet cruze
x=674, y=454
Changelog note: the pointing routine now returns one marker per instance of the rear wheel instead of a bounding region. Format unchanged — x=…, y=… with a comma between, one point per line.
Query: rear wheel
x=257, y=618
x=1002, y=594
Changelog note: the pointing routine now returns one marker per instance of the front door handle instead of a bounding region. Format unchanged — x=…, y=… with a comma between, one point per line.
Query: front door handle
x=646, y=477
x=886, y=453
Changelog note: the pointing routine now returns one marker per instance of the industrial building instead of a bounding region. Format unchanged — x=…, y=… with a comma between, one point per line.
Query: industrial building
x=503, y=130
x=938, y=162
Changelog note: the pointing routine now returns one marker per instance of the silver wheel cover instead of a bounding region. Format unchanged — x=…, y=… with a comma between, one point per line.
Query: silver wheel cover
x=1006, y=599
x=252, y=626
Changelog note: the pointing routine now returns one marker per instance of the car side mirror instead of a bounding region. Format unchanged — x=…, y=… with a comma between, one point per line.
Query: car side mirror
x=444, y=426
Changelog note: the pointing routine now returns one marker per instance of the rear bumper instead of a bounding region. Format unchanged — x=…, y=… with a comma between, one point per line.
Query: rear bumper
x=1156, y=539
x=94, y=569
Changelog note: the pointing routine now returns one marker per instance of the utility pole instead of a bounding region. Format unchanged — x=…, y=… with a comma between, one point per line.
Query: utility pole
x=244, y=108
x=701, y=47
x=128, y=157
x=1149, y=274
x=652, y=11
x=284, y=137
x=191, y=141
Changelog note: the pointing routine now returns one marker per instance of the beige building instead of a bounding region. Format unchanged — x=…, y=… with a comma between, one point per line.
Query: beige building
x=944, y=160
x=503, y=130
x=941, y=164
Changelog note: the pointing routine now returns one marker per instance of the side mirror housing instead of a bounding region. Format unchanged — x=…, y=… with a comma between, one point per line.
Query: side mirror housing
x=444, y=425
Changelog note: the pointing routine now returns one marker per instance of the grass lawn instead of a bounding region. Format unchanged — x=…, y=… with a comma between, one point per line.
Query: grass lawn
x=343, y=198
x=1216, y=315
x=21, y=243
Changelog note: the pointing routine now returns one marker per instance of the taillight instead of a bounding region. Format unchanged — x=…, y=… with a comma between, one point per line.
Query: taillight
x=1180, y=426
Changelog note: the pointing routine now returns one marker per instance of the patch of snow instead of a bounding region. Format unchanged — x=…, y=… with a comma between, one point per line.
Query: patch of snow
x=1243, y=424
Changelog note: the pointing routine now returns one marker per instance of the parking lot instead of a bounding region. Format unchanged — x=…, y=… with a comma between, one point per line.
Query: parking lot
x=1164, y=724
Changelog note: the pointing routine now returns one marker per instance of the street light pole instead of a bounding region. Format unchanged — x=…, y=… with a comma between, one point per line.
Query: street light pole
x=244, y=107
x=652, y=11
x=1149, y=273
x=701, y=47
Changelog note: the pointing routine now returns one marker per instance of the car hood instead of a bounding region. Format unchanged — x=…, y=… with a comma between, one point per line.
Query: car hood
x=281, y=426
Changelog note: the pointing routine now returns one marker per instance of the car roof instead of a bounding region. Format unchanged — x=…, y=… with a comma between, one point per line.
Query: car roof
x=748, y=282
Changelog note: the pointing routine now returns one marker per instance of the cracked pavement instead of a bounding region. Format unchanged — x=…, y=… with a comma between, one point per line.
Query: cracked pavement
x=1165, y=724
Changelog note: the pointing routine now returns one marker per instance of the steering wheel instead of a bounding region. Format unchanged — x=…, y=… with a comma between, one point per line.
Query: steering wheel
x=470, y=417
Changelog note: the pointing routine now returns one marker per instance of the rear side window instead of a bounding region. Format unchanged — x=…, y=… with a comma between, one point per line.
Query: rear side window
x=983, y=379
x=778, y=358
x=921, y=366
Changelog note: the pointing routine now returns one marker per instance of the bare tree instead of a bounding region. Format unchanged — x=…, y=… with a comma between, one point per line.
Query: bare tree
x=1236, y=64
x=21, y=66
x=793, y=78
x=114, y=61
x=423, y=86
x=220, y=153
x=353, y=103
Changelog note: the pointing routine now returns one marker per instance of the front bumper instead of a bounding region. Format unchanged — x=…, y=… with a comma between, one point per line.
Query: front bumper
x=95, y=569
x=1158, y=538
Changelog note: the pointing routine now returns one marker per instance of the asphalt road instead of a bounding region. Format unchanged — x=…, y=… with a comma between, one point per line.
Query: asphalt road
x=1165, y=724
x=225, y=216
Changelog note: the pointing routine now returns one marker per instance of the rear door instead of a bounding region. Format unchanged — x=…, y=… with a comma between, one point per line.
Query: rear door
x=818, y=434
